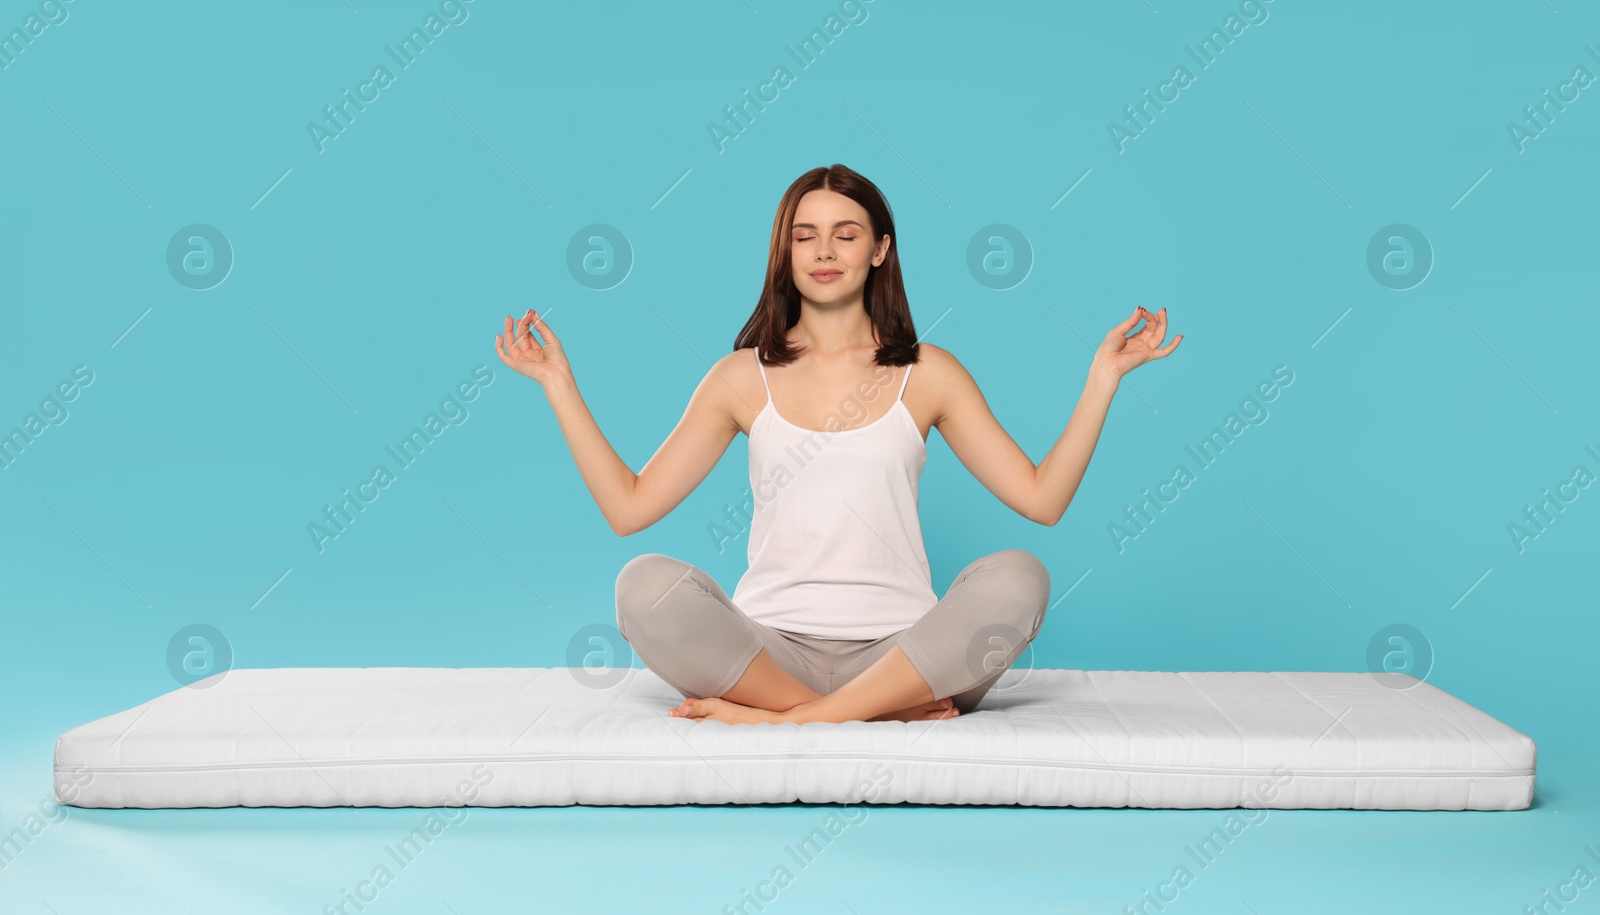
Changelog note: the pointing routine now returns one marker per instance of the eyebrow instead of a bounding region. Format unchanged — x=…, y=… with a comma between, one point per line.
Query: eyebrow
x=842, y=222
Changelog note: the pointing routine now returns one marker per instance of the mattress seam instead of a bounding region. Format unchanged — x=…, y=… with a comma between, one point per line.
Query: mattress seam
x=937, y=760
x=1529, y=774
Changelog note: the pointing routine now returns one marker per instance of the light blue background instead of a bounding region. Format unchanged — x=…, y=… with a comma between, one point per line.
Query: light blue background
x=370, y=277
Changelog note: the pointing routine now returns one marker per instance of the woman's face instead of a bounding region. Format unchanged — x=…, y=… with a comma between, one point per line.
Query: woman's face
x=831, y=247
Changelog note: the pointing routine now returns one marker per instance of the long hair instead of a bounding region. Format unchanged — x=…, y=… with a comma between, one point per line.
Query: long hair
x=884, y=295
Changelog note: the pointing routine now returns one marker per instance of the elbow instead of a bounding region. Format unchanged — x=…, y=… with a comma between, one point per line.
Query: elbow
x=624, y=521
x=1049, y=520
x=622, y=527
x=631, y=524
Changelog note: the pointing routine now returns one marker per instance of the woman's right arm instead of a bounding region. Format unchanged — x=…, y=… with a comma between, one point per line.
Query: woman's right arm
x=630, y=502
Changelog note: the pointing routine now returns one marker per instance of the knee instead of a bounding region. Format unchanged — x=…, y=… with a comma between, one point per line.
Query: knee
x=1028, y=583
x=644, y=581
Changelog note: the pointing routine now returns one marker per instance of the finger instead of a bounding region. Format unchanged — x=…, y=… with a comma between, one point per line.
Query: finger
x=499, y=347
x=527, y=343
x=544, y=329
x=1156, y=330
x=1169, y=347
x=1122, y=329
x=1149, y=322
x=522, y=325
x=502, y=342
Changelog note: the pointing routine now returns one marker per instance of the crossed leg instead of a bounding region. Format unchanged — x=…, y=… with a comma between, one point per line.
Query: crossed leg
x=891, y=689
x=767, y=692
x=1005, y=591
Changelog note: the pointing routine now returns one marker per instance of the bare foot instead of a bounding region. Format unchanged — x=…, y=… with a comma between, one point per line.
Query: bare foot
x=715, y=709
x=928, y=711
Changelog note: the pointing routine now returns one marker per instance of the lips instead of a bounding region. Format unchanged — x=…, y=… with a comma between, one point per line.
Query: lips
x=824, y=276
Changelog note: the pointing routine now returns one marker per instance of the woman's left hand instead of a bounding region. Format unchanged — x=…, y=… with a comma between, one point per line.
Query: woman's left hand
x=1120, y=354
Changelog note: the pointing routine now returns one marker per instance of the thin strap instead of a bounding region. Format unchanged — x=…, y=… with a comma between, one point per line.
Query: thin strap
x=763, y=374
x=904, y=380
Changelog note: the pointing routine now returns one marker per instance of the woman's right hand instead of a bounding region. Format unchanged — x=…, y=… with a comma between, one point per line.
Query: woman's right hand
x=526, y=356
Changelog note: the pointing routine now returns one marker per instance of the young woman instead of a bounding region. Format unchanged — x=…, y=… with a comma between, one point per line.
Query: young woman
x=835, y=618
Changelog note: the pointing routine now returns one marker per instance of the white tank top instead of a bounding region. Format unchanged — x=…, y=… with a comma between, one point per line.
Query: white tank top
x=836, y=546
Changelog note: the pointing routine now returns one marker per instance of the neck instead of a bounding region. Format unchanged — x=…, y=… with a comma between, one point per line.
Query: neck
x=833, y=330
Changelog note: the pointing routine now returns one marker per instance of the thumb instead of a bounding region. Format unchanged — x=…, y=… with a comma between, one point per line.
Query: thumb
x=544, y=329
x=1122, y=329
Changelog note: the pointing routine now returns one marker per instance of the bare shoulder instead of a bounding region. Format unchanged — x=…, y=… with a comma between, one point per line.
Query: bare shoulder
x=935, y=357
x=738, y=362
x=944, y=379
x=730, y=388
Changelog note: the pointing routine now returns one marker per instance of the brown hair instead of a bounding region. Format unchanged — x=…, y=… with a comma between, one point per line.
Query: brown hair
x=884, y=295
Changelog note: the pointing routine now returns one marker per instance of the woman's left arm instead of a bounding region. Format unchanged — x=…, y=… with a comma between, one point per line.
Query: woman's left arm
x=1042, y=493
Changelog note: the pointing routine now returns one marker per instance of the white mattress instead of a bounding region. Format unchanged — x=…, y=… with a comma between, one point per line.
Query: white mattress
x=493, y=737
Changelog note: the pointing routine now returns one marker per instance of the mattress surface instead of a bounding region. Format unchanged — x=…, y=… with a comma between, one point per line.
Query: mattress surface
x=493, y=737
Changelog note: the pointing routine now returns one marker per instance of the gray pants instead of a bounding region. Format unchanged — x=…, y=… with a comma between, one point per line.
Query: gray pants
x=685, y=629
